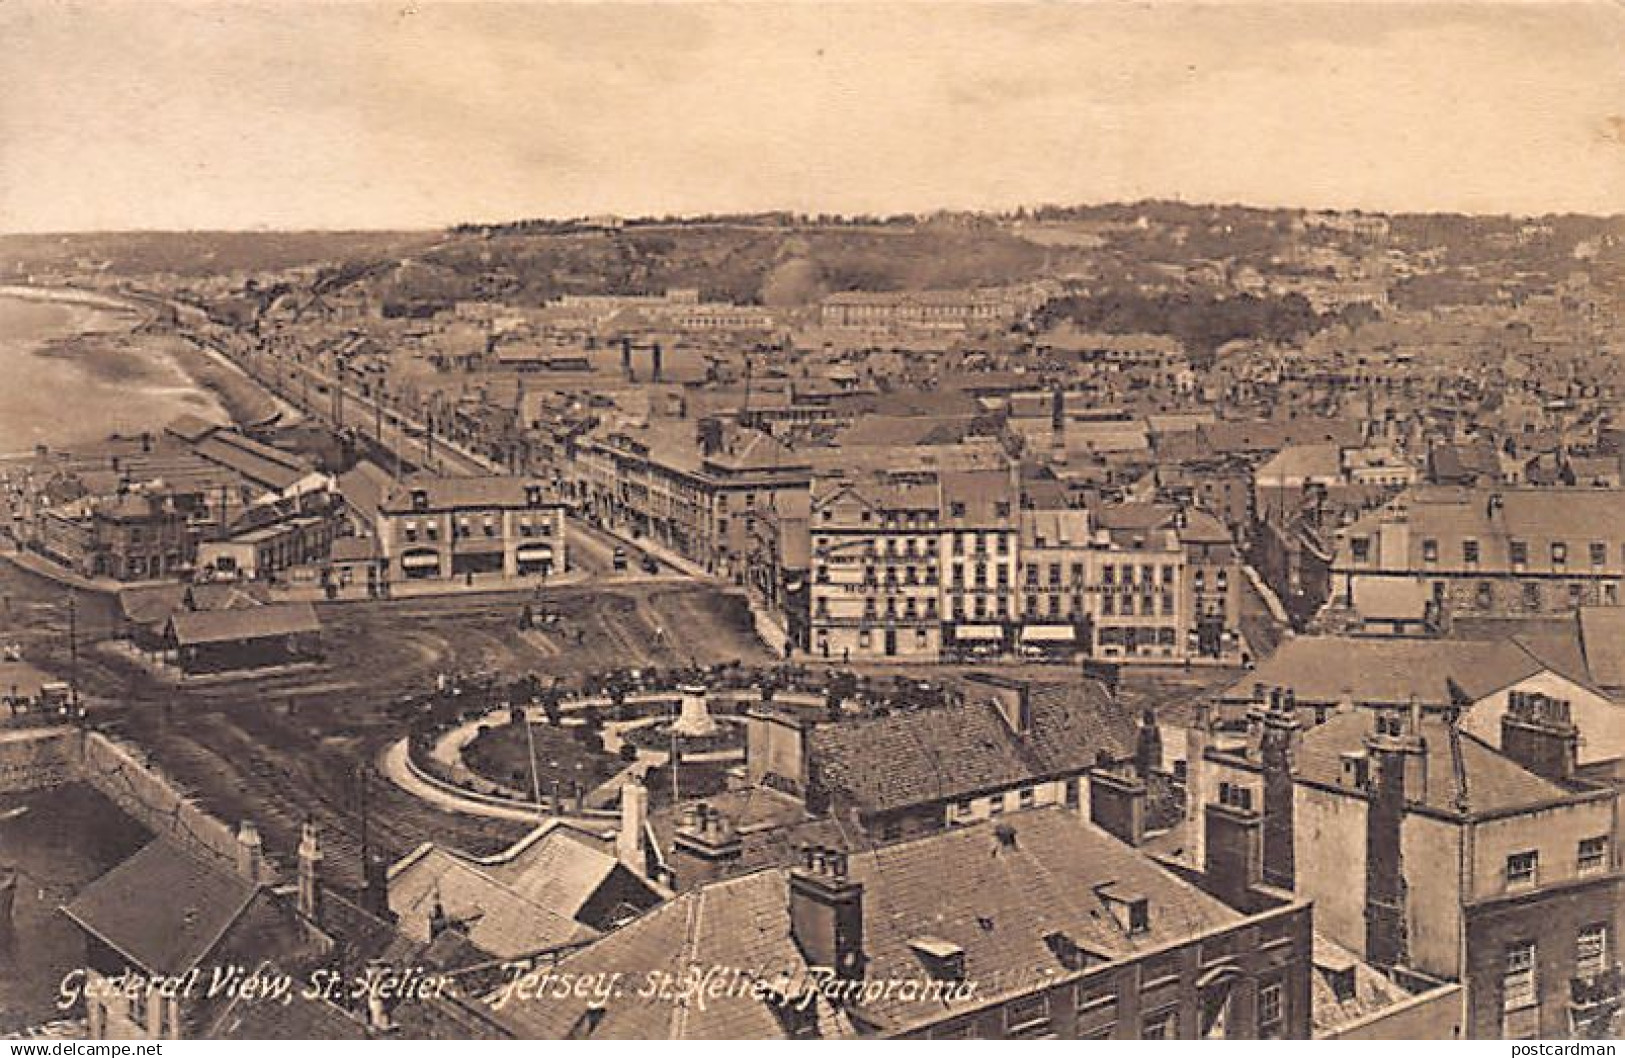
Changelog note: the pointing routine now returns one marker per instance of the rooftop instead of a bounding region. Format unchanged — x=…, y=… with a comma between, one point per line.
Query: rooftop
x=994, y=892
x=926, y=756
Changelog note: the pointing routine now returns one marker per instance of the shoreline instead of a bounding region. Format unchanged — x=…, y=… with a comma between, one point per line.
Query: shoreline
x=242, y=399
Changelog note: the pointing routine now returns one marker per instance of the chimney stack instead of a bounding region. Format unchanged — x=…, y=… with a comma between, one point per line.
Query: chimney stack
x=375, y=890
x=1197, y=738
x=629, y=847
x=1398, y=776
x=1148, y=746
x=1117, y=803
x=250, y=854
x=1539, y=733
x=706, y=843
x=826, y=913
x=1233, y=845
x=1280, y=739
x=310, y=862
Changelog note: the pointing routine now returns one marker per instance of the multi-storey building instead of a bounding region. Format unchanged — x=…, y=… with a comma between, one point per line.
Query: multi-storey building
x=1055, y=557
x=1138, y=606
x=931, y=309
x=693, y=487
x=931, y=939
x=875, y=546
x=979, y=546
x=1502, y=552
x=1495, y=867
x=461, y=527
x=138, y=534
x=1207, y=580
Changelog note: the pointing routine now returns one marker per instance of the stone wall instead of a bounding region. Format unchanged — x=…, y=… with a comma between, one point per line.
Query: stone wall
x=123, y=775
x=39, y=758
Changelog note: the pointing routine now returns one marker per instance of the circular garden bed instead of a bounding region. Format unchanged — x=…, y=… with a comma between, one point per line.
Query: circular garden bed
x=571, y=757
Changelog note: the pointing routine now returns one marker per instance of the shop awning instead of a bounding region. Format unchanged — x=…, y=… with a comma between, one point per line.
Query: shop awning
x=533, y=553
x=420, y=561
x=1049, y=634
x=978, y=633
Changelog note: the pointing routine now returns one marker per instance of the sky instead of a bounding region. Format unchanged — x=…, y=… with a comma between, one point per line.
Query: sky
x=133, y=114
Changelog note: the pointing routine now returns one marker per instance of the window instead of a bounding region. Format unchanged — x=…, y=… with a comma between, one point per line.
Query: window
x=1521, y=868
x=1560, y=552
x=1593, y=854
x=956, y=509
x=1484, y=597
x=1359, y=548
x=1270, y=1009
x=1469, y=552
x=1519, y=552
x=1027, y=1013
x=1430, y=550
x=1599, y=554
x=1161, y=1025
x=1531, y=594
x=1591, y=950
x=1026, y=797
x=1159, y=970
x=1518, y=988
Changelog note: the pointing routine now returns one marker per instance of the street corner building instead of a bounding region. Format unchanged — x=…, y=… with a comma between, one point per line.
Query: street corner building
x=478, y=529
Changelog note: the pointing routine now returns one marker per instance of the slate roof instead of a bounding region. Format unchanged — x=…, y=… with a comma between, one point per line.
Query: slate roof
x=196, y=627
x=153, y=604
x=1602, y=638
x=1486, y=780
x=1372, y=669
x=191, y=428
x=558, y=868
x=455, y=493
x=935, y=755
x=261, y=464
x=1536, y=517
x=995, y=901
x=162, y=909
x=494, y=917
x=300, y=1018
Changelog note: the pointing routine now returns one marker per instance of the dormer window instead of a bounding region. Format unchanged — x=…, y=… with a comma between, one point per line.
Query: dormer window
x=1132, y=910
x=943, y=959
x=420, y=499
x=1356, y=770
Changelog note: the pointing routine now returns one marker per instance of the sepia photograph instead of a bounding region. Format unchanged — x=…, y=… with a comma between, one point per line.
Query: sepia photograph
x=790, y=520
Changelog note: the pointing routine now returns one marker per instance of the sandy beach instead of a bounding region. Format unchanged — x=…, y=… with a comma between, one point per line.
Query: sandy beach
x=80, y=371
